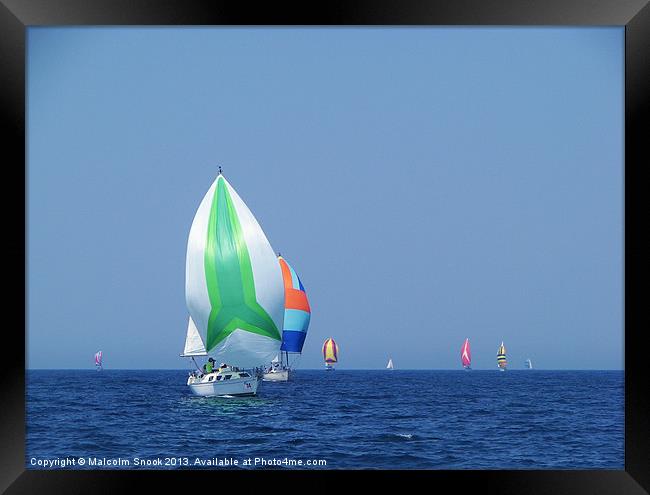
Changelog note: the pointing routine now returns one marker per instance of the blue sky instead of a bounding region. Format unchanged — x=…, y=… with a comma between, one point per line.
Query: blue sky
x=427, y=184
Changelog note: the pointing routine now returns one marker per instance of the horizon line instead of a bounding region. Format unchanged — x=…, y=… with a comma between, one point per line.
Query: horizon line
x=344, y=369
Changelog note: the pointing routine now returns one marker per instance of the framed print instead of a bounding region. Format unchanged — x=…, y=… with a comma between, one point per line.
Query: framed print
x=365, y=240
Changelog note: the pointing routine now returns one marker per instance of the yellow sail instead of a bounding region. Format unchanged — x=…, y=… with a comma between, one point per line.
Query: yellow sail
x=330, y=351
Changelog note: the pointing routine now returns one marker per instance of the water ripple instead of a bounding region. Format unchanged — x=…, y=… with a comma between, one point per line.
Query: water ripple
x=352, y=419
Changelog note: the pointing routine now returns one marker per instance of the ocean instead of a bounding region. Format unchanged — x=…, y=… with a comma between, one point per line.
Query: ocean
x=345, y=419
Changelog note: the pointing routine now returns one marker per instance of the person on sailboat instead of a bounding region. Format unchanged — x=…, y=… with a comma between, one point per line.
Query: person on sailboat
x=209, y=366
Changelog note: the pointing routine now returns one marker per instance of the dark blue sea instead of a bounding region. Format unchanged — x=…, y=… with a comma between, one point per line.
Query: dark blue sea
x=518, y=419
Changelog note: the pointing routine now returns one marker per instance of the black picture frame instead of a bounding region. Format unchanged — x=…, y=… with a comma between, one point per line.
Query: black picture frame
x=17, y=15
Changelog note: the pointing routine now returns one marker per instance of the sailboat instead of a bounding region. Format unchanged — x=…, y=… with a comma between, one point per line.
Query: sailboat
x=466, y=355
x=390, y=365
x=529, y=364
x=234, y=294
x=297, y=314
x=501, y=357
x=99, y=355
x=330, y=353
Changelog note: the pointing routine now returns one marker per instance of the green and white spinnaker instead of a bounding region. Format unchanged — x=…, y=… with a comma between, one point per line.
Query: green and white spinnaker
x=233, y=283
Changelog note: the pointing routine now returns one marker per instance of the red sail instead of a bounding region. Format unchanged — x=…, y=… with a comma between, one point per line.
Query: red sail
x=465, y=354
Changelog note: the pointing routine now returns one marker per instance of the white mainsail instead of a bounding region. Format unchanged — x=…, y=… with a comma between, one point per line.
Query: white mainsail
x=390, y=364
x=193, y=342
x=233, y=283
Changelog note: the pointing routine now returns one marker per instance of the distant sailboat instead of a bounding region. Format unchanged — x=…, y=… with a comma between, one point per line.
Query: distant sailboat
x=330, y=353
x=297, y=314
x=99, y=355
x=466, y=355
x=529, y=364
x=501, y=357
x=390, y=365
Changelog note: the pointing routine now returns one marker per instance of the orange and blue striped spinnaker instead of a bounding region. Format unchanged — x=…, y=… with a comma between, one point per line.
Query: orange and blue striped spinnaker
x=297, y=312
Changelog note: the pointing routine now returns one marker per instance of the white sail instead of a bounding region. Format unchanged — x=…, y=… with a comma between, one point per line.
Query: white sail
x=390, y=364
x=193, y=342
x=233, y=283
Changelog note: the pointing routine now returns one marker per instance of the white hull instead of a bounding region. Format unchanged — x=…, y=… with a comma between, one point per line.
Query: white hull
x=276, y=376
x=209, y=386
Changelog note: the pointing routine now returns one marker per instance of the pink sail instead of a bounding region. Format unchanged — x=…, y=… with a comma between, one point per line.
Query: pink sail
x=98, y=358
x=465, y=354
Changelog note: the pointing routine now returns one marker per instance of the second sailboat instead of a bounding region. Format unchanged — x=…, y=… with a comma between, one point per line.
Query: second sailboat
x=297, y=315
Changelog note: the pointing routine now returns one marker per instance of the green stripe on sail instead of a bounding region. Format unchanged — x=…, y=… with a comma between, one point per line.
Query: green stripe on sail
x=229, y=276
